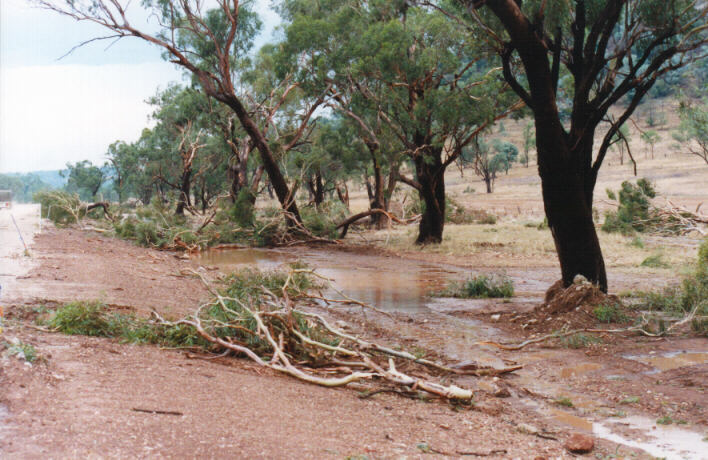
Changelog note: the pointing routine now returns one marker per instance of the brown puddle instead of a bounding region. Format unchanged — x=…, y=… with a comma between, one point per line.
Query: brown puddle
x=388, y=283
x=580, y=369
x=668, y=361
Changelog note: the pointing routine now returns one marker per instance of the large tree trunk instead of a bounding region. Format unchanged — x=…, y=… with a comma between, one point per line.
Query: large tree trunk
x=431, y=178
x=567, y=198
x=184, y=191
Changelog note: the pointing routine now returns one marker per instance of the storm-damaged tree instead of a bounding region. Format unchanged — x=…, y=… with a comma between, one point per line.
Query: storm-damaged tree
x=205, y=42
x=611, y=49
x=420, y=73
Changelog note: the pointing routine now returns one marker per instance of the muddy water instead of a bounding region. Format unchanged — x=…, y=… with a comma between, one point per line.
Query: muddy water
x=667, y=361
x=384, y=282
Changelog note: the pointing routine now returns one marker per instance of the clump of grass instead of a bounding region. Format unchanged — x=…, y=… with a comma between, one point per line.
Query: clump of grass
x=610, y=313
x=637, y=242
x=630, y=400
x=563, y=401
x=654, y=261
x=245, y=287
x=577, y=341
x=489, y=219
x=21, y=350
x=480, y=287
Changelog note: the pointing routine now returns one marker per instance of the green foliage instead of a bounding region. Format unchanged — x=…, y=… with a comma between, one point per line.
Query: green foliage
x=23, y=186
x=630, y=400
x=637, y=242
x=694, y=126
x=84, y=179
x=96, y=319
x=633, y=211
x=480, y=287
x=21, y=350
x=154, y=226
x=610, y=313
x=563, y=401
x=654, y=261
x=60, y=207
x=243, y=210
x=690, y=295
x=322, y=221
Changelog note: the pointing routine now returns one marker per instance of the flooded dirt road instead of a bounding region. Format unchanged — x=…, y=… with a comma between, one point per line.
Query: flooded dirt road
x=614, y=390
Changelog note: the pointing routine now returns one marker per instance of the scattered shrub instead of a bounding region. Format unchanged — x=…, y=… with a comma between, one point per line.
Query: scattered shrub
x=610, y=313
x=691, y=294
x=654, y=261
x=637, y=243
x=480, y=287
x=489, y=219
x=21, y=350
x=632, y=213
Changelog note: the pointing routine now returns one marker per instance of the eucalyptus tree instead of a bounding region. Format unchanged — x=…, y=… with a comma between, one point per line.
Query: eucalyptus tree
x=410, y=71
x=84, y=179
x=207, y=43
x=610, y=50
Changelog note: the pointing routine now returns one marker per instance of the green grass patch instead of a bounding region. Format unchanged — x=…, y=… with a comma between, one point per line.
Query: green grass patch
x=610, y=313
x=654, y=261
x=480, y=287
x=563, y=401
x=630, y=400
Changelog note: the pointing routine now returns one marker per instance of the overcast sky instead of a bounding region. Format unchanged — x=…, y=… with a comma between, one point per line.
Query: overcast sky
x=57, y=111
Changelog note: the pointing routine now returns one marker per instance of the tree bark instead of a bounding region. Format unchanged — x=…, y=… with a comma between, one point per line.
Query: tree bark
x=430, y=173
x=185, y=186
x=377, y=201
x=275, y=176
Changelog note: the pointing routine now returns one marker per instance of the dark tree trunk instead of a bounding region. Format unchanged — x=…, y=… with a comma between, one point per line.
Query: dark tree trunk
x=185, y=185
x=343, y=194
x=567, y=198
x=488, y=183
x=376, y=196
x=319, y=190
x=275, y=176
x=430, y=173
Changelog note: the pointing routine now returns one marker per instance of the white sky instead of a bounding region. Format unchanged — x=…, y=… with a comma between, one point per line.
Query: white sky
x=58, y=111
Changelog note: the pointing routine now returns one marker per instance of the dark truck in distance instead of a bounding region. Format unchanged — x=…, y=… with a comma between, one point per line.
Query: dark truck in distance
x=5, y=199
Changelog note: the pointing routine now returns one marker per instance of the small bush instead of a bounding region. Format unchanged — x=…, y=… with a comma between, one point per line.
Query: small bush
x=563, y=401
x=323, y=221
x=637, y=243
x=654, y=261
x=489, y=219
x=480, y=287
x=633, y=211
x=21, y=350
x=610, y=313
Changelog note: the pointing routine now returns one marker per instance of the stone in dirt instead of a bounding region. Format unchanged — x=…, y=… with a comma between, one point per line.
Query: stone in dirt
x=579, y=443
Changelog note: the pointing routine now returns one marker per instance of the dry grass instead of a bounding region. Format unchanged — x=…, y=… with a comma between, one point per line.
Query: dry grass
x=513, y=244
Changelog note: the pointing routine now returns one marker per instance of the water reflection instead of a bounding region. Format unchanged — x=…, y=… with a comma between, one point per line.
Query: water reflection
x=386, y=282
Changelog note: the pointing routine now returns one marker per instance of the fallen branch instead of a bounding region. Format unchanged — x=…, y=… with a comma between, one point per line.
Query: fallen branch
x=297, y=343
x=156, y=411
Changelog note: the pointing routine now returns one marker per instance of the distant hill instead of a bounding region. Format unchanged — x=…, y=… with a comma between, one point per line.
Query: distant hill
x=51, y=177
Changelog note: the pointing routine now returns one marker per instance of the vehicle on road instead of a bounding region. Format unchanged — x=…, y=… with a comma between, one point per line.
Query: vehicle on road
x=5, y=199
